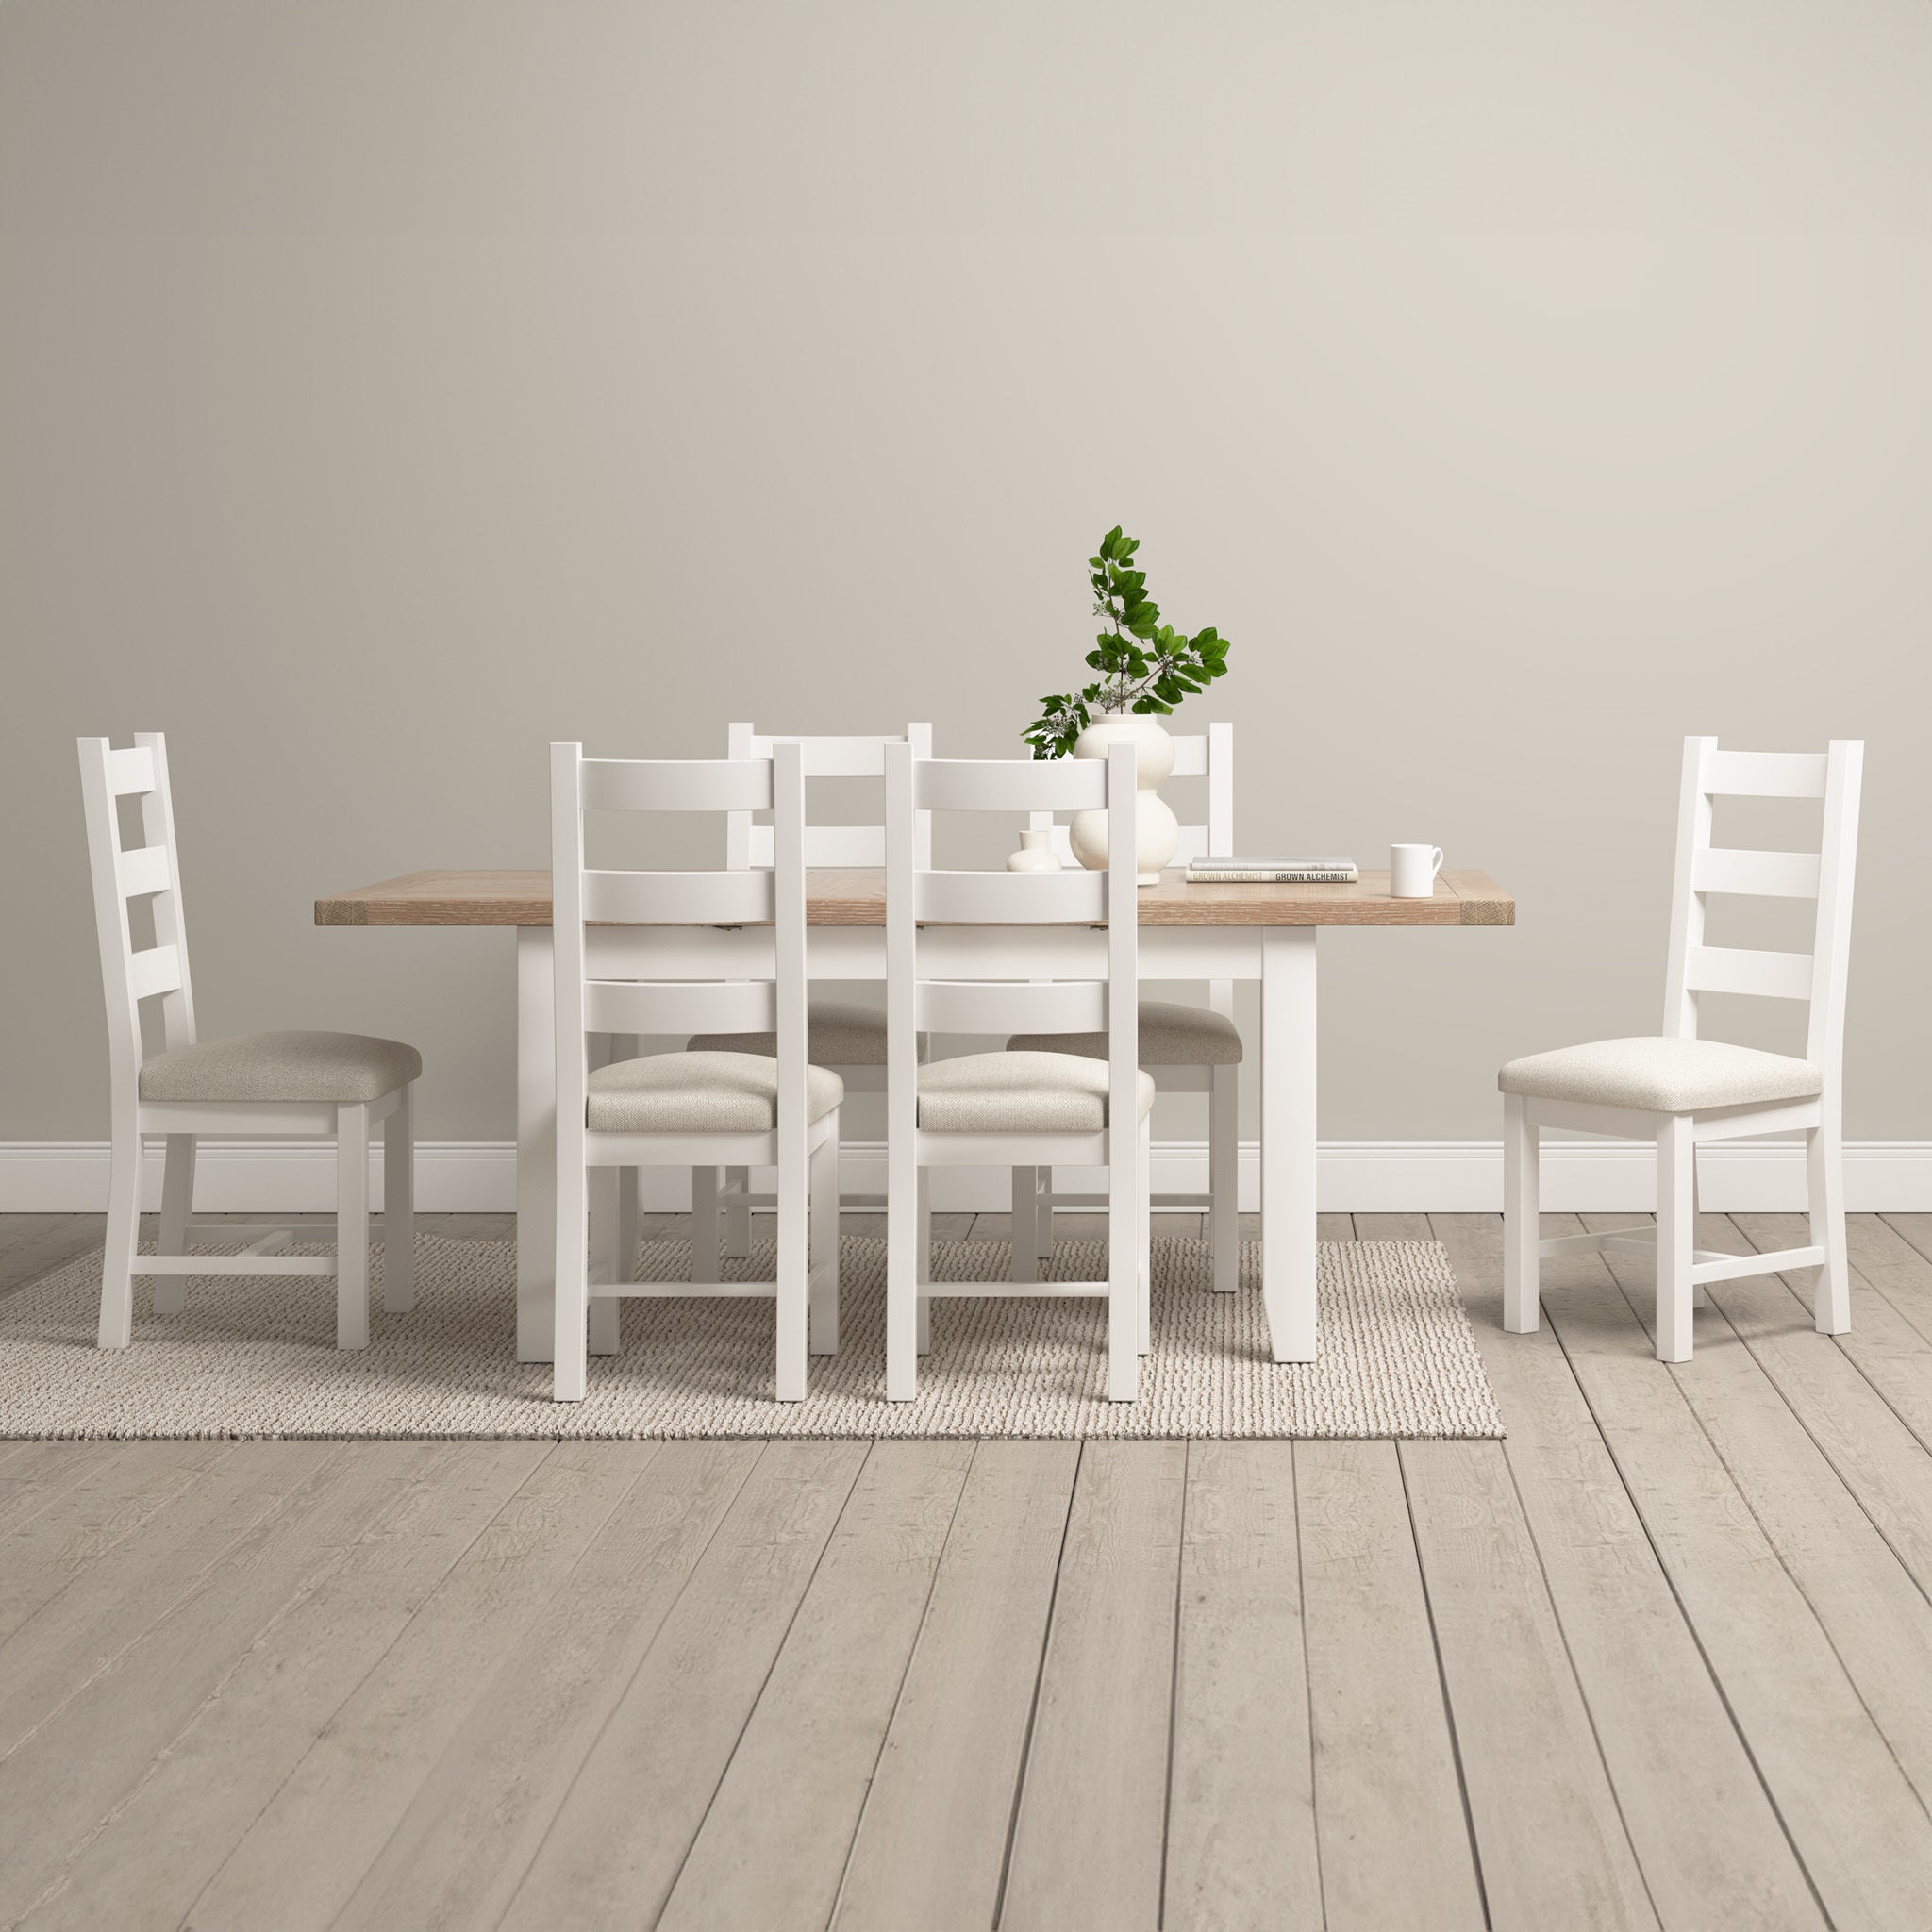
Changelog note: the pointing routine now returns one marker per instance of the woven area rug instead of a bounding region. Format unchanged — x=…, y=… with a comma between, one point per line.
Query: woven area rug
x=257, y=1357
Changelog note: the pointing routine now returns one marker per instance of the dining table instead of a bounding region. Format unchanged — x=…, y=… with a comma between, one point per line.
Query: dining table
x=1262, y=933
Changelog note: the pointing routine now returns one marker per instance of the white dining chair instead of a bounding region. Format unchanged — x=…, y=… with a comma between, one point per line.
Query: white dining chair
x=844, y=1035
x=1682, y=1090
x=1188, y=1047
x=691, y=1110
x=281, y=1084
x=1010, y=1108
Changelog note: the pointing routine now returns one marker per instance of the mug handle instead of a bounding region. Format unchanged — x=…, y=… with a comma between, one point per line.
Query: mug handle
x=1436, y=870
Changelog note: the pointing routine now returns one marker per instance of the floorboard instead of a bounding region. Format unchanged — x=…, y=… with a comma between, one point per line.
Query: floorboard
x=1390, y=1820
x=931, y=1845
x=1241, y=1832
x=1088, y=1838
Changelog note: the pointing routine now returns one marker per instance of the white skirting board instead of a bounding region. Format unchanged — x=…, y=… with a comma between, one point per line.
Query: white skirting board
x=1361, y=1177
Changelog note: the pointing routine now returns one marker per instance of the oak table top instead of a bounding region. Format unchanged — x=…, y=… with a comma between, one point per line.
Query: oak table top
x=859, y=898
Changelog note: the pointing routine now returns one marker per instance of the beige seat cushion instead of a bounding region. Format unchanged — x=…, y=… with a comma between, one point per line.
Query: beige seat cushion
x=1662, y=1076
x=699, y=1094
x=1019, y=1093
x=1171, y=1035
x=342, y=1067
x=838, y=1033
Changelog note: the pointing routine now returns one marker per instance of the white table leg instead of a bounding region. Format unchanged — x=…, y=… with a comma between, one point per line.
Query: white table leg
x=536, y=1145
x=1287, y=1139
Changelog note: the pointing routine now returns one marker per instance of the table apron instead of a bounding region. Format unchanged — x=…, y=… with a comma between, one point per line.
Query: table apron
x=858, y=952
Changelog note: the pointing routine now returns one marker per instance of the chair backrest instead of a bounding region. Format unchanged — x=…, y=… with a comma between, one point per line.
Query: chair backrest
x=149, y=870
x=1018, y=993
x=825, y=758
x=1824, y=876
x=584, y=896
x=1197, y=754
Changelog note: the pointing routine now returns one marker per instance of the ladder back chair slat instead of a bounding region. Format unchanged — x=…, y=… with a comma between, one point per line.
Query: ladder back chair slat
x=143, y=871
x=674, y=785
x=1009, y=898
x=677, y=898
x=1055, y=1005
x=1741, y=969
x=1757, y=874
x=705, y=1005
x=131, y=771
x=1764, y=774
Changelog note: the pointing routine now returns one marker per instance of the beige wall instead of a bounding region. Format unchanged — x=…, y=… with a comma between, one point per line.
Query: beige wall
x=391, y=388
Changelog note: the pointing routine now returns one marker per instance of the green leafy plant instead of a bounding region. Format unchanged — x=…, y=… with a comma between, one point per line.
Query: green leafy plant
x=1144, y=665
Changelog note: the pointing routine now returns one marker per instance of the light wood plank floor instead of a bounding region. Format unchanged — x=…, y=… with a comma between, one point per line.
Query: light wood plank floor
x=1662, y=1659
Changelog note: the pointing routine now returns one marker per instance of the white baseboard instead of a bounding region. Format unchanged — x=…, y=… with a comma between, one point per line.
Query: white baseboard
x=1357, y=1176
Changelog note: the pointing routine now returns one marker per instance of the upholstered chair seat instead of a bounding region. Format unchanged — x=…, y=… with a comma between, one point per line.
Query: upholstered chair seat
x=345, y=1068
x=1662, y=1076
x=1171, y=1035
x=1020, y=1093
x=699, y=1094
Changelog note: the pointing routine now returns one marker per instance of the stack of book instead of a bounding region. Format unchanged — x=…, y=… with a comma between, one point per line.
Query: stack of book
x=1272, y=871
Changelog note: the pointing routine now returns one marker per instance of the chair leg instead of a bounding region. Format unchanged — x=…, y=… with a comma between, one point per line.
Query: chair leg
x=1122, y=1269
x=902, y=1273
x=628, y=1215
x=925, y=1275
x=705, y=1229
x=1824, y=1163
x=170, y=1291
x=604, y=1190
x=399, y=1205
x=570, y=1335
x=1522, y=1219
x=124, y=1238
x=352, y=1225
x=824, y=1325
x=1224, y=1177
x=794, y=1266
x=1025, y=1225
x=1675, y=1238
x=1700, y=1297
x=737, y=1216
x=1043, y=1222
x=1144, y=1245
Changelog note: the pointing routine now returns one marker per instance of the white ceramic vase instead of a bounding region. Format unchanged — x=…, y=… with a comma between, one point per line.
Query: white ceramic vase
x=1157, y=831
x=1036, y=853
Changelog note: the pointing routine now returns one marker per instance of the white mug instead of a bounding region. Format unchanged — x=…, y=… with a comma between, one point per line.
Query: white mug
x=1412, y=871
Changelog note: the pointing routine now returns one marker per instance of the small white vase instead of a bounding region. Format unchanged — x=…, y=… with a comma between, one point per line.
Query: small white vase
x=1157, y=831
x=1036, y=853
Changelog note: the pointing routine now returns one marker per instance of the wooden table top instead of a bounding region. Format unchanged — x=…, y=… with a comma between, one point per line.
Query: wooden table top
x=859, y=898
